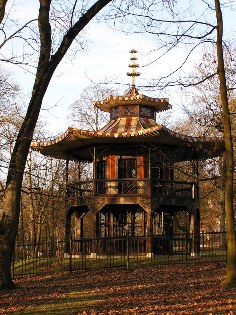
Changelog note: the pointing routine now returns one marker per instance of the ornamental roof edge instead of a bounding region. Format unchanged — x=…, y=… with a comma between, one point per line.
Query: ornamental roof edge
x=150, y=131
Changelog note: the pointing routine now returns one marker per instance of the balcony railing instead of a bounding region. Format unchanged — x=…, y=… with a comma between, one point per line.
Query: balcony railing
x=181, y=189
x=133, y=186
x=125, y=186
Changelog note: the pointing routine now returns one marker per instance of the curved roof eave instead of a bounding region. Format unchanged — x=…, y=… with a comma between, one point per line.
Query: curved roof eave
x=160, y=104
x=78, y=139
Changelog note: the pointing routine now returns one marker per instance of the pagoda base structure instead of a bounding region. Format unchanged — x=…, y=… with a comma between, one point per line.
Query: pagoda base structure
x=142, y=195
x=152, y=225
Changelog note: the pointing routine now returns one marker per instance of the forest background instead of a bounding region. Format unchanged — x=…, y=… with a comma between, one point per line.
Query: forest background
x=169, y=68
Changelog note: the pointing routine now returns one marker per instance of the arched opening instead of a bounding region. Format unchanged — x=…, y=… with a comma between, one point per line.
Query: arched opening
x=114, y=223
x=116, y=220
x=171, y=230
x=75, y=227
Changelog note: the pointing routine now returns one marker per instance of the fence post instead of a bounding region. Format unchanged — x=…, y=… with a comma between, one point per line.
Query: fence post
x=203, y=238
x=127, y=247
x=186, y=247
x=70, y=258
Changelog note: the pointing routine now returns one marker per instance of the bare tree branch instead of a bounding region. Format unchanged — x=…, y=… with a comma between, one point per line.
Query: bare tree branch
x=15, y=33
x=72, y=15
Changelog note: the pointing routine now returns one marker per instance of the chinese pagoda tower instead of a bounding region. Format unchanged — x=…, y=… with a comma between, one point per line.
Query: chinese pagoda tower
x=138, y=183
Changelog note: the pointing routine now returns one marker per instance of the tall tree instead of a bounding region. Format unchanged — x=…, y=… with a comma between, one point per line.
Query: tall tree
x=229, y=210
x=47, y=64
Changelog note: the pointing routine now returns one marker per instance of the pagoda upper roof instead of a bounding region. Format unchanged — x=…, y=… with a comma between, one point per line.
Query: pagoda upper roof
x=77, y=144
x=133, y=97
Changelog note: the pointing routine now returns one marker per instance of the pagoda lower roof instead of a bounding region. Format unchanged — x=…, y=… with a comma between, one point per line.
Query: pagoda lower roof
x=77, y=144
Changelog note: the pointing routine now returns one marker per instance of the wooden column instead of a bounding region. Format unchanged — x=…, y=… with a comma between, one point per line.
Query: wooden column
x=149, y=185
x=67, y=206
x=111, y=221
x=94, y=172
x=149, y=214
x=68, y=233
x=149, y=235
x=195, y=232
x=95, y=244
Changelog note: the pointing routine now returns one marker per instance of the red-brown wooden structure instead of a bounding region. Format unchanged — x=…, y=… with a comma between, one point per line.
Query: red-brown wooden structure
x=136, y=187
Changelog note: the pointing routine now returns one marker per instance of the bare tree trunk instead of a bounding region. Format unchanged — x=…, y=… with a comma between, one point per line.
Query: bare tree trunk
x=8, y=231
x=2, y=9
x=231, y=241
x=47, y=64
x=222, y=168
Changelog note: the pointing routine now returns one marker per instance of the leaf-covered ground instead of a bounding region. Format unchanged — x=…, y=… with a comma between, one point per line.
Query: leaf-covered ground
x=192, y=289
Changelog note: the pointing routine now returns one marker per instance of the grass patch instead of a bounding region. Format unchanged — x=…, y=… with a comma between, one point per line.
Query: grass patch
x=72, y=304
x=39, y=265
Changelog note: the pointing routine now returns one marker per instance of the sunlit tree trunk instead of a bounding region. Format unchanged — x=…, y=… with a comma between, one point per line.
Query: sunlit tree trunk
x=47, y=65
x=231, y=241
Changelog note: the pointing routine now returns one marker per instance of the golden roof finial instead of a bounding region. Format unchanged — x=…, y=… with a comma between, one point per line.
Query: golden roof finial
x=133, y=65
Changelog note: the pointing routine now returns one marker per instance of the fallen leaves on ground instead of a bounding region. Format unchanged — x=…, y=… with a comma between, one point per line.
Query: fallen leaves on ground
x=192, y=289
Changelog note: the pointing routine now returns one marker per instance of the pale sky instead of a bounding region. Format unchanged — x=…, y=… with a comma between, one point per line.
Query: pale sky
x=107, y=56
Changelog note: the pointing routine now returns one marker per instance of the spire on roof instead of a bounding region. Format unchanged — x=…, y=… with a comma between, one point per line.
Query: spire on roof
x=133, y=66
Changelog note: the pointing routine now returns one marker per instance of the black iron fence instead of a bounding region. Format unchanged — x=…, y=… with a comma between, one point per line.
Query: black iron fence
x=127, y=252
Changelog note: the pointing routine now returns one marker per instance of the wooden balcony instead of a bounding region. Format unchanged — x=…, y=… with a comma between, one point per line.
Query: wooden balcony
x=175, y=193
x=167, y=192
x=170, y=189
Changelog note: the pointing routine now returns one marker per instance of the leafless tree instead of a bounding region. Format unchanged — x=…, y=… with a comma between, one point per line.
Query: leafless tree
x=84, y=113
x=48, y=61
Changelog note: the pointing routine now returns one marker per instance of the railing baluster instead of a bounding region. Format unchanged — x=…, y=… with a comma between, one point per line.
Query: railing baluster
x=132, y=186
